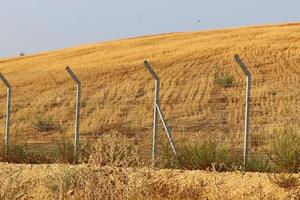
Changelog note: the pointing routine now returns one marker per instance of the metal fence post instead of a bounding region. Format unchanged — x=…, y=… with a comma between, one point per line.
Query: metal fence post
x=77, y=115
x=155, y=118
x=167, y=130
x=8, y=105
x=155, y=122
x=247, y=108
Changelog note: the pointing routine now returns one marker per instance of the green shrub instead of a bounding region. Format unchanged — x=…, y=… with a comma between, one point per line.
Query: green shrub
x=22, y=154
x=285, y=150
x=65, y=150
x=225, y=81
x=259, y=162
x=202, y=155
x=62, y=152
x=45, y=124
x=165, y=157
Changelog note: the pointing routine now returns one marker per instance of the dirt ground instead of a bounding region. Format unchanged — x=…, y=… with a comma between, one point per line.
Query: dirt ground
x=46, y=182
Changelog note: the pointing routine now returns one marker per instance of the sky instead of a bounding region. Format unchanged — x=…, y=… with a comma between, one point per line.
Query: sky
x=33, y=26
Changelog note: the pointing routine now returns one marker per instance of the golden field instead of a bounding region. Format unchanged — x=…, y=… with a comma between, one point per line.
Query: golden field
x=117, y=91
x=117, y=96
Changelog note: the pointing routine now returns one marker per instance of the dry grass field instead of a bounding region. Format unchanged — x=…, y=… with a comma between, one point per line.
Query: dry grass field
x=118, y=91
x=117, y=95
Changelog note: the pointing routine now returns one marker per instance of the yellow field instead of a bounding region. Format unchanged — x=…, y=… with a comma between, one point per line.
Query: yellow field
x=118, y=91
x=118, y=94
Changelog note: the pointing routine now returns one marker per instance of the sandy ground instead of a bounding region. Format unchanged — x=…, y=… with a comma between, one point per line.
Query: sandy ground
x=38, y=182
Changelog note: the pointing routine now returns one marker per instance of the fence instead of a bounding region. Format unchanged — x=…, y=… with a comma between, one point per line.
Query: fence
x=209, y=104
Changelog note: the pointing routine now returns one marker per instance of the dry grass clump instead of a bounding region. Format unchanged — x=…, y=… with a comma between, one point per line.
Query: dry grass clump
x=171, y=185
x=107, y=183
x=66, y=183
x=110, y=183
x=110, y=178
x=115, y=150
x=285, y=180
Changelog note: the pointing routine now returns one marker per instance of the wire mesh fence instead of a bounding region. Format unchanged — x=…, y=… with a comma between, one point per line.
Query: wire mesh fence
x=207, y=106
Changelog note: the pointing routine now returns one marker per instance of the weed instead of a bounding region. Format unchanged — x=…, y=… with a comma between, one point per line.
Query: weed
x=45, y=124
x=202, y=155
x=20, y=153
x=62, y=152
x=286, y=150
x=225, y=81
x=258, y=162
x=65, y=151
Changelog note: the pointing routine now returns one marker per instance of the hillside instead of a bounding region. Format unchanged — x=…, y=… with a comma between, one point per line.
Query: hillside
x=117, y=91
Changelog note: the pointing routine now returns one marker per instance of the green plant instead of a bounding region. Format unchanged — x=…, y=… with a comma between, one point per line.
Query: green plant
x=65, y=151
x=285, y=150
x=165, y=157
x=225, y=81
x=21, y=153
x=61, y=152
x=202, y=156
x=45, y=124
x=259, y=162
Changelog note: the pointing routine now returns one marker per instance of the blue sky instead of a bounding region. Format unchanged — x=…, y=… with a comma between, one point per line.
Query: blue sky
x=32, y=26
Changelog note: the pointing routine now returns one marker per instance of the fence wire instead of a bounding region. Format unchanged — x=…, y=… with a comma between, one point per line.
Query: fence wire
x=209, y=107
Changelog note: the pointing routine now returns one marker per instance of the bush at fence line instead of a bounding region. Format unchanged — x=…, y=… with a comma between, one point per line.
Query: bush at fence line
x=201, y=155
x=62, y=152
x=65, y=151
x=20, y=153
x=116, y=150
x=259, y=162
x=225, y=81
x=285, y=150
